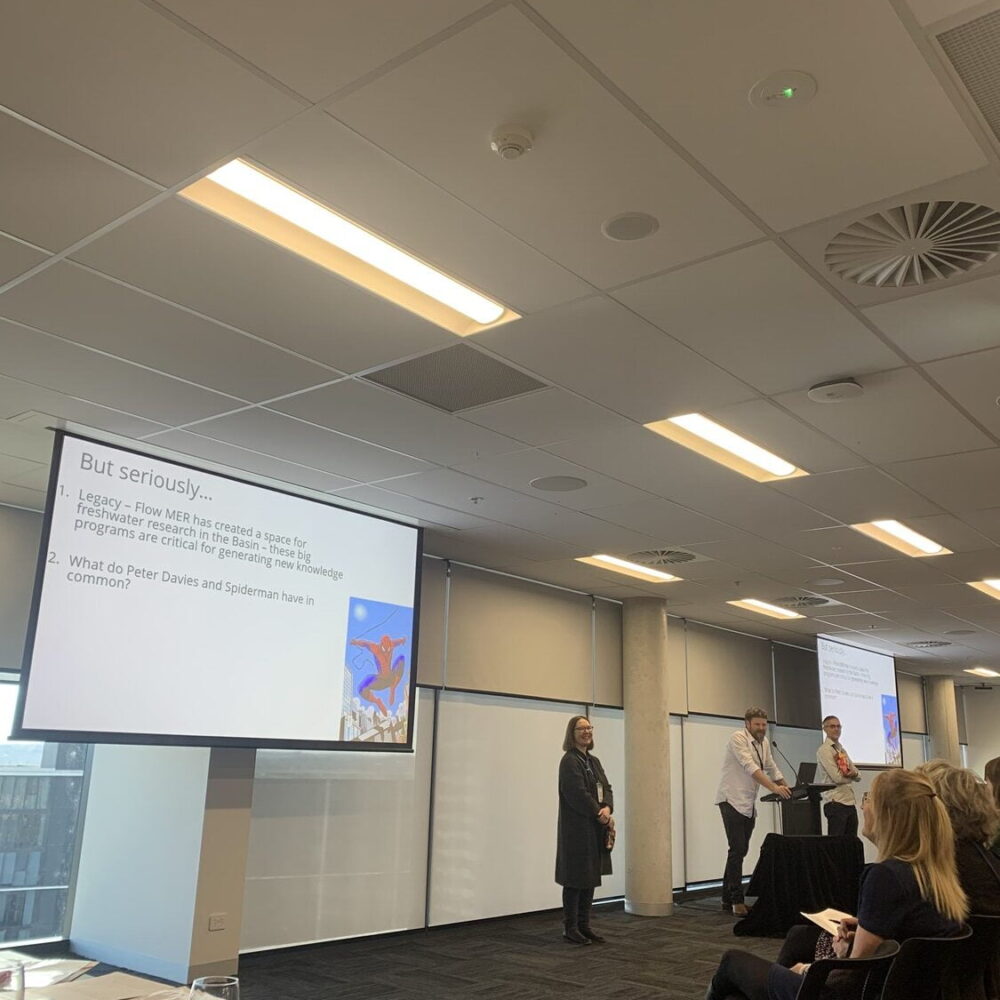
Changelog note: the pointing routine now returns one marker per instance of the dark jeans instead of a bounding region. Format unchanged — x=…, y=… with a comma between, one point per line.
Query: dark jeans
x=576, y=908
x=841, y=820
x=739, y=829
x=743, y=974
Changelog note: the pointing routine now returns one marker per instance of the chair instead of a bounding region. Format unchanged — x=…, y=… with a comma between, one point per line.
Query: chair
x=967, y=979
x=873, y=968
x=922, y=967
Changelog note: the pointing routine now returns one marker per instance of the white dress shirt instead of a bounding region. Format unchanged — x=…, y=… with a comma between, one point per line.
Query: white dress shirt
x=829, y=773
x=744, y=756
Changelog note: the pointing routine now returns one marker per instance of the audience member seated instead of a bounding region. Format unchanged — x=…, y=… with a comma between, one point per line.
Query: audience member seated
x=975, y=820
x=911, y=891
x=992, y=772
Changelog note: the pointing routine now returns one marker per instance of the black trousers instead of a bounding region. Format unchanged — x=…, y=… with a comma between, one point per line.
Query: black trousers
x=576, y=908
x=745, y=975
x=841, y=820
x=739, y=829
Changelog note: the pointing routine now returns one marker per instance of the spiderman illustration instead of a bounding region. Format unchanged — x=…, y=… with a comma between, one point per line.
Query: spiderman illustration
x=386, y=676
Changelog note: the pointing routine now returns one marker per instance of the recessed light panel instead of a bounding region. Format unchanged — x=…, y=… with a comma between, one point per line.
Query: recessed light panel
x=982, y=672
x=989, y=587
x=246, y=195
x=763, y=608
x=901, y=538
x=712, y=440
x=627, y=568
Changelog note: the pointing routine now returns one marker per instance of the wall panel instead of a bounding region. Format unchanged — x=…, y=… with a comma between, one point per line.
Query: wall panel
x=495, y=806
x=796, y=687
x=20, y=531
x=433, y=603
x=677, y=688
x=607, y=653
x=727, y=672
x=911, y=703
x=512, y=637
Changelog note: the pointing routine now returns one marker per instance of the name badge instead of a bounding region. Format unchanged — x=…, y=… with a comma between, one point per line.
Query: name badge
x=600, y=792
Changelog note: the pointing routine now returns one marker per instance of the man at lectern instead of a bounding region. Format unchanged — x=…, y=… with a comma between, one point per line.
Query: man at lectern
x=746, y=767
x=837, y=768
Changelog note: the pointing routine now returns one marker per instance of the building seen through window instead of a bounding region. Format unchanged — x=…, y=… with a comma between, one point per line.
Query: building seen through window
x=41, y=786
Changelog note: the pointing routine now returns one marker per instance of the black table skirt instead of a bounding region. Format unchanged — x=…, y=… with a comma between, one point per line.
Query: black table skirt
x=797, y=874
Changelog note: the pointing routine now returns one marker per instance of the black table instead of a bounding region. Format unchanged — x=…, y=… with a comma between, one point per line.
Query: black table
x=797, y=874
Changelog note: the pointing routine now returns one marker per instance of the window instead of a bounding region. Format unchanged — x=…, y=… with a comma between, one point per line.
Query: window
x=41, y=786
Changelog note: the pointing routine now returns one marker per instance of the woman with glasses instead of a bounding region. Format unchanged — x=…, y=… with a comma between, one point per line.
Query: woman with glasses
x=586, y=830
x=911, y=891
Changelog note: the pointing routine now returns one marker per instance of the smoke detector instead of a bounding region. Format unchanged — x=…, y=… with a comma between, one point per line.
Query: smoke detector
x=835, y=391
x=915, y=244
x=510, y=142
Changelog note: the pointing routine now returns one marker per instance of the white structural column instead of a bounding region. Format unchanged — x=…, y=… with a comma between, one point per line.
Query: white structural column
x=162, y=865
x=649, y=876
x=942, y=718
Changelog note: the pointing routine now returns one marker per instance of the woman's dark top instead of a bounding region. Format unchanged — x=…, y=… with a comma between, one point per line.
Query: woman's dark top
x=979, y=873
x=581, y=859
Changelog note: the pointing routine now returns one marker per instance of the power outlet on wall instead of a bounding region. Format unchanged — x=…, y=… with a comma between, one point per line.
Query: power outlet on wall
x=216, y=921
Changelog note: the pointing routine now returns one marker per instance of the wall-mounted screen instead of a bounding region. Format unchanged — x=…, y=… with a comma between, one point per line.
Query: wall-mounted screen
x=859, y=687
x=176, y=605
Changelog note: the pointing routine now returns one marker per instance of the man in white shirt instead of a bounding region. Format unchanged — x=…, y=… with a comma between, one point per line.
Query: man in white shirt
x=746, y=767
x=836, y=768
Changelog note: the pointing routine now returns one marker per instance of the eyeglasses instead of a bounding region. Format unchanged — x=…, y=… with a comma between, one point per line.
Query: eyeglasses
x=584, y=729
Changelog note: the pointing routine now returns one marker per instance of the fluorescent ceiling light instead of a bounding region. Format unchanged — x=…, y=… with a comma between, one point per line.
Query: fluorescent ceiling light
x=989, y=587
x=254, y=199
x=629, y=568
x=901, y=538
x=982, y=672
x=763, y=608
x=694, y=431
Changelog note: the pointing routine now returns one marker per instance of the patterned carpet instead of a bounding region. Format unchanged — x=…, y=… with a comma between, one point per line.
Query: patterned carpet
x=515, y=957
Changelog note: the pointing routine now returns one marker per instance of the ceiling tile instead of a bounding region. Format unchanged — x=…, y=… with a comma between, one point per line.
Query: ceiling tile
x=901, y=574
x=753, y=554
x=398, y=503
x=516, y=470
x=675, y=525
x=900, y=416
x=546, y=417
x=836, y=545
x=21, y=496
x=77, y=371
x=193, y=258
x=885, y=602
x=950, y=532
x=954, y=320
x=246, y=460
x=294, y=441
x=16, y=258
x=125, y=81
x=985, y=521
x=928, y=11
x=53, y=194
x=857, y=495
x=352, y=175
x=973, y=380
x=17, y=397
x=966, y=566
x=85, y=308
x=358, y=35
x=956, y=482
x=638, y=371
x=863, y=137
x=759, y=315
x=809, y=577
x=386, y=418
x=435, y=111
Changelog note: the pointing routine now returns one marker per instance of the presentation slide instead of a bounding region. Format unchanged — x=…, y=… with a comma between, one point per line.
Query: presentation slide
x=859, y=687
x=177, y=603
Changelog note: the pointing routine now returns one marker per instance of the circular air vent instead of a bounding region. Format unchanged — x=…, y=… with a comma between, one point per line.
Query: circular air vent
x=915, y=244
x=661, y=557
x=928, y=644
x=802, y=602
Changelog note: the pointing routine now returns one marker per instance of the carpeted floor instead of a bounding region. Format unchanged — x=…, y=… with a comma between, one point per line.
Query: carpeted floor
x=516, y=957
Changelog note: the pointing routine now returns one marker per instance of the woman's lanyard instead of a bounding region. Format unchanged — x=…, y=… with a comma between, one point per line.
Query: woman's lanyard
x=591, y=772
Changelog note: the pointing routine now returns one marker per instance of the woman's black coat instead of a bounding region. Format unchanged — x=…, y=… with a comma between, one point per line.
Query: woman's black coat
x=581, y=859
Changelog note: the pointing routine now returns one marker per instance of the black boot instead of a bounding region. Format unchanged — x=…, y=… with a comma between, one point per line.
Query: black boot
x=583, y=917
x=571, y=908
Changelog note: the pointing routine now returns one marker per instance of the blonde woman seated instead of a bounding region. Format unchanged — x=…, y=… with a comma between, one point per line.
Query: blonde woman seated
x=911, y=891
x=975, y=820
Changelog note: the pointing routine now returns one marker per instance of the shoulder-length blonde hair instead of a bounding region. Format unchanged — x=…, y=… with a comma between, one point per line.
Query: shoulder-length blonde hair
x=992, y=773
x=569, y=740
x=911, y=824
x=973, y=813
